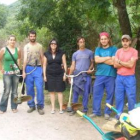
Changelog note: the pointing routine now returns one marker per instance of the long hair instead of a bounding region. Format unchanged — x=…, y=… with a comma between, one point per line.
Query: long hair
x=7, y=43
x=110, y=42
x=57, y=48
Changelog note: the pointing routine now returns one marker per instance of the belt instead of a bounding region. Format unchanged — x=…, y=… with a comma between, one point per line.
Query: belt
x=34, y=65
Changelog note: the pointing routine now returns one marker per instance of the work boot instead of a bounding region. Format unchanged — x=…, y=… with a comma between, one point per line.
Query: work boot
x=72, y=113
x=93, y=115
x=107, y=116
x=31, y=109
x=40, y=111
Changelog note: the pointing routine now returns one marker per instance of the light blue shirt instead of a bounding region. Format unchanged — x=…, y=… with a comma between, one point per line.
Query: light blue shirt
x=102, y=68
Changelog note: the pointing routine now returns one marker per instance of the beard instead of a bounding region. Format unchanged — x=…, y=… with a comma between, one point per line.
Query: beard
x=32, y=40
x=82, y=46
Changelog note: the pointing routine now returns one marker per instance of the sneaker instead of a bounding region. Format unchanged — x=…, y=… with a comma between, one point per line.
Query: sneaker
x=61, y=112
x=107, y=116
x=92, y=115
x=1, y=112
x=14, y=110
x=31, y=109
x=40, y=111
x=53, y=112
x=72, y=113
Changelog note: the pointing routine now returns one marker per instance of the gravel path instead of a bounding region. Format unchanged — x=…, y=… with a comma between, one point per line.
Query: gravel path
x=25, y=126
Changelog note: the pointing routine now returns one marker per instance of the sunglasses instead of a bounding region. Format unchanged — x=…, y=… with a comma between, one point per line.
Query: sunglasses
x=53, y=44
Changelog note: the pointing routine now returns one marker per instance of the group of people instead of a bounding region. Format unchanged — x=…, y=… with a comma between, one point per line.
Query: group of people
x=37, y=68
x=115, y=73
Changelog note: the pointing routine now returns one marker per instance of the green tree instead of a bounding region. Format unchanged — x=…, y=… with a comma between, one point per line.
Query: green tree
x=3, y=15
x=68, y=19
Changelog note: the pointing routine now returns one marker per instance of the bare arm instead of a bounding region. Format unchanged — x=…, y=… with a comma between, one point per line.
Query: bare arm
x=110, y=61
x=19, y=57
x=2, y=51
x=64, y=62
x=117, y=64
x=64, y=65
x=24, y=62
x=90, y=67
x=41, y=57
x=99, y=59
x=44, y=68
x=72, y=67
x=128, y=64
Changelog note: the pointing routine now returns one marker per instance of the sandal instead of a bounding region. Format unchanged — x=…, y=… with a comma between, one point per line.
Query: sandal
x=14, y=110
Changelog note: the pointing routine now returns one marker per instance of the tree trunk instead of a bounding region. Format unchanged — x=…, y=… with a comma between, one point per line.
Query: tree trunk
x=138, y=41
x=123, y=16
x=138, y=66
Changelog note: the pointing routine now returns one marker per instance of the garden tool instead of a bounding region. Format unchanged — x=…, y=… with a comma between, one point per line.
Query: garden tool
x=129, y=123
x=20, y=98
x=72, y=106
x=105, y=136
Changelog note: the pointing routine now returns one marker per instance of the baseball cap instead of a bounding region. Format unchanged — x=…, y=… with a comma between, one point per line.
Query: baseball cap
x=126, y=37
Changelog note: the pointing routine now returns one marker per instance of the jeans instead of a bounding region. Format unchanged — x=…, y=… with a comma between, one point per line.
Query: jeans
x=35, y=78
x=10, y=84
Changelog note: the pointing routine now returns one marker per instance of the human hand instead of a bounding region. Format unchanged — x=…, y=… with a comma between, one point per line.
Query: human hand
x=69, y=80
x=64, y=78
x=89, y=71
x=45, y=78
x=108, y=57
x=118, y=61
x=2, y=71
x=23, y=75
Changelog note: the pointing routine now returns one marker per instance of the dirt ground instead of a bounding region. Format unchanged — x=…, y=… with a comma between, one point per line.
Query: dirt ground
x=22, y=125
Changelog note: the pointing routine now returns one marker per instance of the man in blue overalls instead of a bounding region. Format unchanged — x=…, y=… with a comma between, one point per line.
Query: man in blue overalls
x=33, y=57
x=82, y=60
x=125, y=62
x=105, y=75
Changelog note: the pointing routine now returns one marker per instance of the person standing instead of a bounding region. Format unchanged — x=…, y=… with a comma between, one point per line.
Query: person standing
x=33, y=57
x=82, y=60
x=54, y=73
x=105, y=75
x=10, y=79
x=125, y=62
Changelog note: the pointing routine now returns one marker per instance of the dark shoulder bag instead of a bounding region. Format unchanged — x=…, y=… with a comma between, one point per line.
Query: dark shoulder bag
x=20, y=78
